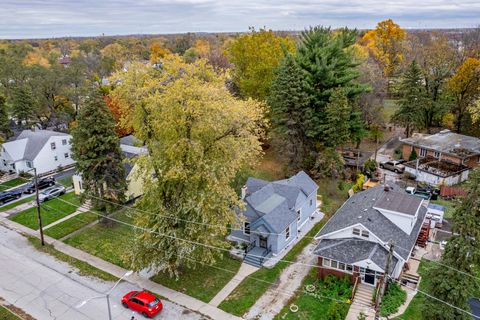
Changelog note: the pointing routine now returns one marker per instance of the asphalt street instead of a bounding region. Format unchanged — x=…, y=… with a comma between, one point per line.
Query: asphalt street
x=49, y=289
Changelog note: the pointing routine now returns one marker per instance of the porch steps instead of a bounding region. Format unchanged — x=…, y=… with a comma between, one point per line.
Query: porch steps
x=410, y=278
x=362, y=303
x=255, y=257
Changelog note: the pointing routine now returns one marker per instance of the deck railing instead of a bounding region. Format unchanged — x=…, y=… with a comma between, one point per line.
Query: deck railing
x=354, y=288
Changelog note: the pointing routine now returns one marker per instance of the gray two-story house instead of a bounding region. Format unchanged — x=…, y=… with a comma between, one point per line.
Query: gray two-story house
x=274, y=214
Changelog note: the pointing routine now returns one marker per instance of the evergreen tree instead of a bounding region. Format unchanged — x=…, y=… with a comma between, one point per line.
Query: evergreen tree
x=462, y=253
x=413, y=100
x=5, y=130
x=96, y=148
x=23, y=105
x=336, y=126
x=288, y=101
x=328, y=61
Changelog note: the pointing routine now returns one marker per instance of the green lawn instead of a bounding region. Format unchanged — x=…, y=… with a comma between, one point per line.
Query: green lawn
x=12, y=183
x=448, y=204
x=203, y=282
x=320, y=307
x=51, y=211
x=84, y=268
x=16, y=203
x=251, y=289
x=66, y=181
x=389, y=108
x=73, y=224
x=7, y=315
x=109, y=242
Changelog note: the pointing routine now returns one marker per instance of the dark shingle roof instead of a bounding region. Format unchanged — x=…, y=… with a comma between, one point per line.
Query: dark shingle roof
x=359, y=209
x=302, y=181
x=254, y=184
x=352, y=250
x=399, y=202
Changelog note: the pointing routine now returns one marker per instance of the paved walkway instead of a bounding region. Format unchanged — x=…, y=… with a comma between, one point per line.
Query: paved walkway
x=244, y=271
x=81, y=209
x=278, y=295
x=18, y=209
x=172, y=295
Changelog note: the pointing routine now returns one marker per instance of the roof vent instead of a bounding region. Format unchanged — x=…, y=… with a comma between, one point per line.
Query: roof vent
x=386, y=188
x=359, y=217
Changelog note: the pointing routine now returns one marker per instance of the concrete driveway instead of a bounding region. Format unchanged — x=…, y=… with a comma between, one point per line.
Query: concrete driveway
x=48, y=289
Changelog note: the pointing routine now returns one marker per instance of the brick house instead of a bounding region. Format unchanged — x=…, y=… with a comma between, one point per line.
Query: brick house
x=442, y=158
x=355, y=241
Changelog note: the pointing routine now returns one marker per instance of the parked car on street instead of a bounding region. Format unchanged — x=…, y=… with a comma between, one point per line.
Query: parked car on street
x=143, y=302
x=7, y=196
x=395, y=166
x=42, y=184
x=51, y=192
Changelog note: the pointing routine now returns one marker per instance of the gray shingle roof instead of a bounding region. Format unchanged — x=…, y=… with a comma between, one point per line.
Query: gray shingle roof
x=352, y=250
x=399, y=202
x=36, y=141
x=276, y=202
x=359, y=209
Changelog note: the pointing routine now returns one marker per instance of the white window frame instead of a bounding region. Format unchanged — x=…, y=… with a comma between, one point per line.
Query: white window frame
x=287, y=233
x=326, y=262
x=356, y=232
x=365, y=234
x=55, y=158
x=245, y=224
x=299, y=215
x=334, y=264
x=64, y=142
x=311, y=200
x=53, y=146
x=423, y=152
x=66, y=155
x=436, y=154
x=29, y=164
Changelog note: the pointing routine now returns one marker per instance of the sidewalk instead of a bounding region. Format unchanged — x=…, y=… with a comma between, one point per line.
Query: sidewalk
x=172, y=295
x=244, y=271
x=81, y=209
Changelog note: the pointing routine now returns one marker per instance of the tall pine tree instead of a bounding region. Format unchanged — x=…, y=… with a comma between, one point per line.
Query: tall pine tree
x=328, y=60
x=413, y=100
x=23, y=105
x=288, y=101
x=462, y=255
x=336, y=126
x=5, y=130
x=96, y=148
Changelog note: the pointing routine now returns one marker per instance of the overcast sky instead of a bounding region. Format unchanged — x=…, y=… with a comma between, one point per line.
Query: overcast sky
x=58, y=18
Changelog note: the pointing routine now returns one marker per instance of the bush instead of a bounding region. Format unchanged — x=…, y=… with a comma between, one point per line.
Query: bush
x=359, y=183
x=393, y=299
x=370, y=166
x=24, y=174
x=413, y=155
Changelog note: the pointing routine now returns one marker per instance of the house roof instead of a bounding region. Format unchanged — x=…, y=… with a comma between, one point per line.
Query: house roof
x=130, y=152
x=445, y=141
x=475, y=307
x=275, y=203
x=399, y=202
x=130, y=140
x=352, y=250
x=359, y=209
x=29, y=143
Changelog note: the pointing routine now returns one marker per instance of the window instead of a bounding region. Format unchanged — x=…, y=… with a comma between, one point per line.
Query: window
x=299, y=215
x=287, y=233
x=341, y=266
x=311, y=200
x=66, y=155
x=29, y=164
x=80, y=185
x=334, y=264
x=4, y=162
x=349, y=268
x=423, y=152
x=356, y=231
x=326, y=262
x=53, y=146
x=246, y=227
x=64, y=142
x=436, y=154
x=365, y=234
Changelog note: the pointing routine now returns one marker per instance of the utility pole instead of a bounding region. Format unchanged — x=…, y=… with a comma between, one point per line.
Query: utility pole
x=38, y=207
x=383, y=283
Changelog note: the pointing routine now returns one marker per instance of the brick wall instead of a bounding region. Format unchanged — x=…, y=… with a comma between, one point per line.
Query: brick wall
x=323, y=272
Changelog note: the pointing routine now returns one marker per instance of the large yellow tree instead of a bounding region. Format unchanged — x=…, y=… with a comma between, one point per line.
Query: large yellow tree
x=386, y=44
x=198, y=137
x=254, y=57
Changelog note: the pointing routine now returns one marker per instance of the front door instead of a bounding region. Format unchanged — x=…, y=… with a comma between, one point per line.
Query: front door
x=369, y=277
x=263, y=242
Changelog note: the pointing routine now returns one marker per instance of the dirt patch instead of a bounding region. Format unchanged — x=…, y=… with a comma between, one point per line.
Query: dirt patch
x=16, y=311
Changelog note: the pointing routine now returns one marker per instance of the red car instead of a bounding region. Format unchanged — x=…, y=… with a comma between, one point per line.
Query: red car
x=142, y=302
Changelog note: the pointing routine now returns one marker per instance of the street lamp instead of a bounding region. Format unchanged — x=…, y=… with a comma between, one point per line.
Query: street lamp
x=106, y=295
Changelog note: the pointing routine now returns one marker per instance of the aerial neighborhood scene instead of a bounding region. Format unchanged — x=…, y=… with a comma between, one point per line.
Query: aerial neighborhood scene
x=260, y=160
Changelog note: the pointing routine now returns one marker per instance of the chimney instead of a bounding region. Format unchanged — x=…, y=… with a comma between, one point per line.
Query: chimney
x=386, y=188
x=244, y=192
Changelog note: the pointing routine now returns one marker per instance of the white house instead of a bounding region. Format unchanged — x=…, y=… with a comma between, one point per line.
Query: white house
x=42, y=149
x=355, y=240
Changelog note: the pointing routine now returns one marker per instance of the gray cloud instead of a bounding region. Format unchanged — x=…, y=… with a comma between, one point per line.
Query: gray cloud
x=56, y=18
